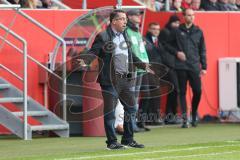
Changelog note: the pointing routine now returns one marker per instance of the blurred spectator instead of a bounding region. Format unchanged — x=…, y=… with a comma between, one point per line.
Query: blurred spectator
x=232, y=5
x=159, y=5
x=167, y=38
x=14, y=1
x=238, y=4
x=33, y=4
x=176, y=6
x=21, y=2
x=186, y=4
x=211, y=5
x=195, y=5
x=155, y=51
x=46, y=3
x=223, y=5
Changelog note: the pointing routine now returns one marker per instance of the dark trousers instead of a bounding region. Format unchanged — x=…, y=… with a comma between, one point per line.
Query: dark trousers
x=124, y=90
x=195, y=82
x=149, y=106
x=172, y=99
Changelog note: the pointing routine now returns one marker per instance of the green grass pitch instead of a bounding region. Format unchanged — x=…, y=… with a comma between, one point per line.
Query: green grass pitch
x=206, y=142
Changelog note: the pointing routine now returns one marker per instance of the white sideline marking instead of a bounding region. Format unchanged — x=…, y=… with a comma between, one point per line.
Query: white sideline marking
x=194, y=155
x=233, y=141
x=147, y=152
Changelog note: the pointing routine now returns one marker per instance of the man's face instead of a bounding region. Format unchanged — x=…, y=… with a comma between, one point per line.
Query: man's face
x=154, y=30
x=196, y=4
x=238, y=2
x=136, y=19
x=175, y=24
x=189, y=16
x=120, y=22
x=177, y=3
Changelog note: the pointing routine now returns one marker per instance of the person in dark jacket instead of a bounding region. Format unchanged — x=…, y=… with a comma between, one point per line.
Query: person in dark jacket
x=117, y=69
x=166, y=37
x=232, y=6
x=151, y=105
x=223, y=5
x=190, y=41
x=211, y=5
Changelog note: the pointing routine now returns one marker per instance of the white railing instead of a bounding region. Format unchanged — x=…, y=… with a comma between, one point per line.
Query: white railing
x=7, y=5
x=24, y=79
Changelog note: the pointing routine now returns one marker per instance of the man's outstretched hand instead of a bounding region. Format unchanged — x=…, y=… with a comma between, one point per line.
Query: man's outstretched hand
x=81, y=62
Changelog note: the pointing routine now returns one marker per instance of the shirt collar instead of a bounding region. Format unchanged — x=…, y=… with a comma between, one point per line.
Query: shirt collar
x=115, y=32
x=154, y=38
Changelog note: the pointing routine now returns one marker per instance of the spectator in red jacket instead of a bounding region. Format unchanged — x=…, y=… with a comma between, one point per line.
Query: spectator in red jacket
x=186, y=4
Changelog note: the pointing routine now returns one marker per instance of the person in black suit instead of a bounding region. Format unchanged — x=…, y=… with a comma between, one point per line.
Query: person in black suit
x=190, y=67
x=151, y=106
x=117, y=77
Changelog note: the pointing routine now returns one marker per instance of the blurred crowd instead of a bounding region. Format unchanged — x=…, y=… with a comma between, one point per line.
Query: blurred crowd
x=199, y=5
x=34, y=4
x=160, y=5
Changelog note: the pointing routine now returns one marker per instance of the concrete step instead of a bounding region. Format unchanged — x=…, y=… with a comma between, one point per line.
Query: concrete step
x=33, y=113
x=4, y=86
x=49, y=127
x=11, y=100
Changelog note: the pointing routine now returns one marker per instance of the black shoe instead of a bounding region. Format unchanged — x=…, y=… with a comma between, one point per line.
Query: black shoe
x=194, y=124
x=136, y=130
x=141, y=125
x=185, y=125
x=115, y=146
x=133, y=144
x=147, y=129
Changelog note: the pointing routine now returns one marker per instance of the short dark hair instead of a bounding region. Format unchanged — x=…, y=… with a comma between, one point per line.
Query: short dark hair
x=153, y=24
x=114, y=13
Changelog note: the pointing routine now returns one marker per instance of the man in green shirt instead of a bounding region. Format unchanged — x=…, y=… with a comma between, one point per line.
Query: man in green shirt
x=138, y=48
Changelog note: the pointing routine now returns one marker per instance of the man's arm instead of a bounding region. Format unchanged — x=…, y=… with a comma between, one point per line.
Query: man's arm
x=93, y=52
x=140, y=64
x=168, y=39
x=202, y=53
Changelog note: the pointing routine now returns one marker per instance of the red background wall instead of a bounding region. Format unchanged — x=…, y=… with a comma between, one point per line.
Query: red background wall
x=221, y=32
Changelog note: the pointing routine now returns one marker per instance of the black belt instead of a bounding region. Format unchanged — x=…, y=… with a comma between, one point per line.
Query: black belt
x=124, y=75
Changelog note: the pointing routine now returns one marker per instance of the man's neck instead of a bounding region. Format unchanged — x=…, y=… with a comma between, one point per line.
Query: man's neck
x=114, y=29
x=188, y=25
x=137, y=25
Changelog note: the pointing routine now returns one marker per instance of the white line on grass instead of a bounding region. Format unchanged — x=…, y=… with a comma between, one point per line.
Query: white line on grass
x=234, y=141
x=146, y=152
x=192, y=156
